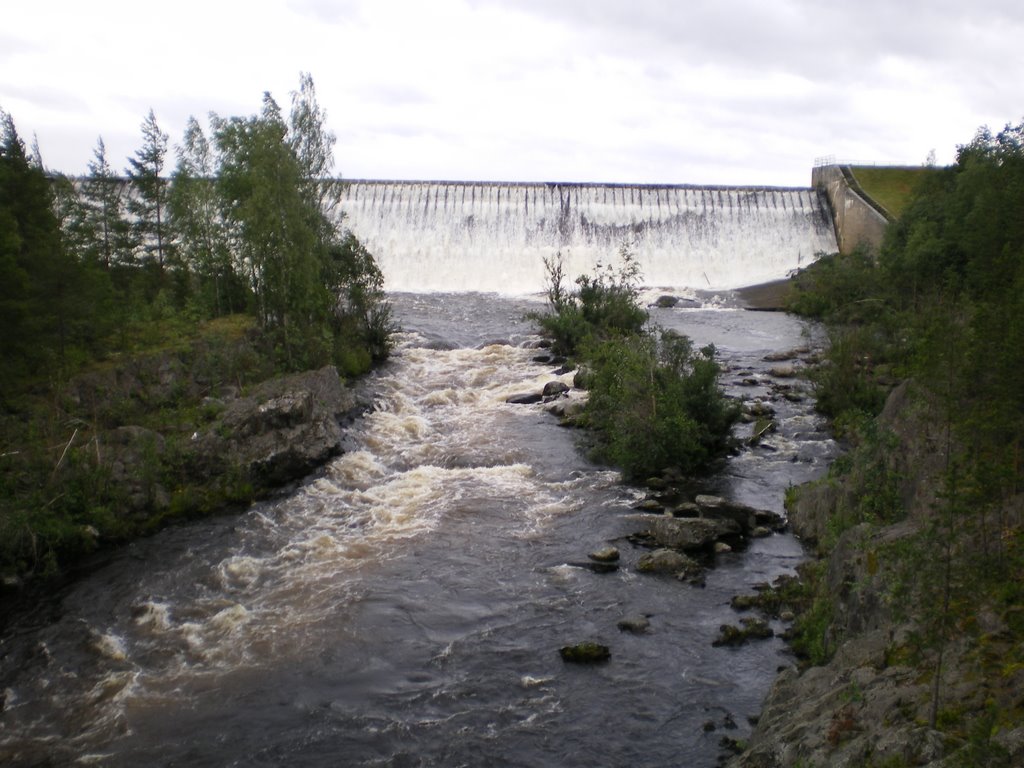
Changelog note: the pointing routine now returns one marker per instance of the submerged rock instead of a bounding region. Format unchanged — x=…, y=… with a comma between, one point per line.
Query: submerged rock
x=585, y=653
x=526, y=398
x=751, y=629
x=635, y=624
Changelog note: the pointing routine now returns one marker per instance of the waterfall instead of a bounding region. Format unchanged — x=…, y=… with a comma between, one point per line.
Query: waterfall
x=493, y=237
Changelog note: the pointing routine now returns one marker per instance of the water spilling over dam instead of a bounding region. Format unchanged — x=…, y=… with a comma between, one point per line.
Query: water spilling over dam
x=483, y=236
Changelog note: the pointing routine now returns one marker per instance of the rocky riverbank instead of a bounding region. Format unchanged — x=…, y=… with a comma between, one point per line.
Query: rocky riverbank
x=873, y=701
x=173, y=436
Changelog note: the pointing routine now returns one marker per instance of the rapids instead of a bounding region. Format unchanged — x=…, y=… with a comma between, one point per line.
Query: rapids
x=405, y=606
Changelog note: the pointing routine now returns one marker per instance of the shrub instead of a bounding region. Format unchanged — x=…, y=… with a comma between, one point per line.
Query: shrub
x=603, y=305
x=655, y=404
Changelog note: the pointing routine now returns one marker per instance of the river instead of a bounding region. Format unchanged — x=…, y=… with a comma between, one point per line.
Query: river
x=405, y=606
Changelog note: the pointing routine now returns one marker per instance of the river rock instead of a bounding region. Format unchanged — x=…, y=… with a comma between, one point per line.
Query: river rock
x=689, y=534
x=685, y=509
x=527, y=398
x=785, y=355
x=605, y=555
x=784, y=371
x=668, y=561
x=555, y=388
x=635, y=624
x=750, y=629
x=650, y=505
x=748, y=518
x=596, y=567
x=585, y=653
x=568, y=409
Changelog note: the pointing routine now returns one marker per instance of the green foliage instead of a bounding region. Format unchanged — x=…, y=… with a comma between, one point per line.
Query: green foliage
x=194, y=205
x=892, y=187
x=654, y=402
x=811, y=637
x=603, y=305
x=147, y=201
x=943, y=304
x=45, y=315
x=839, y=288
x=99, y=272
x=361, y=318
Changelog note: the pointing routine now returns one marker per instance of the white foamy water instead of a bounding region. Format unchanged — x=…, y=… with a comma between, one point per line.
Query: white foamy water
x=427, y=451
x=405, y=605
x=493, y=237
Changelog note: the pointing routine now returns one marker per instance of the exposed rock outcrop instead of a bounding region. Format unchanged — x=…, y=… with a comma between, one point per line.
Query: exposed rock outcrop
x=871, y=702
x=273, y=435
x=280, y=431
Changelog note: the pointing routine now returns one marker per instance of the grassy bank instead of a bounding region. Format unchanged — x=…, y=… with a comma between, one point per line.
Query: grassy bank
x=890, y=186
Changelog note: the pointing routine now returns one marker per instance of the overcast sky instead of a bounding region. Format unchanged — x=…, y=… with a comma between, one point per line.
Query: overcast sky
x=647, y=91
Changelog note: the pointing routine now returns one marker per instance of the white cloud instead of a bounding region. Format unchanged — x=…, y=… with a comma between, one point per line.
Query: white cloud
x=736, y=91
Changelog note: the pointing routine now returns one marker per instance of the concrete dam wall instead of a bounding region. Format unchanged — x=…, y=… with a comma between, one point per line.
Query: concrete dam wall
x=494, y=237
x=857, y=221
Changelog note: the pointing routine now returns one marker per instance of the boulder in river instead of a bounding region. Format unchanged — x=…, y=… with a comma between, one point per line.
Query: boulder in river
x=750, y=629
x=668, y=561
x=281, y=431
x=568, y=409
x=555, y=388
x=748, y=518
x=607, y=554
x=689, y=533
x=585, y=653
x=526, y=398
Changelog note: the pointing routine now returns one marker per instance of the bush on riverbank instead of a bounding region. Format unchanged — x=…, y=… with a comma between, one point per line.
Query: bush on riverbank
x=654, y=402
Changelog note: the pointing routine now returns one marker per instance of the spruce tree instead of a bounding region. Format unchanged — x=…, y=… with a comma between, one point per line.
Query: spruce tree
x=106, y=230
x=147, y=201
x=38, y=309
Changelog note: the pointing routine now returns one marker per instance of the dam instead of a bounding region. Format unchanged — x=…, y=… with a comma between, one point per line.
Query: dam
x=432, y=236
